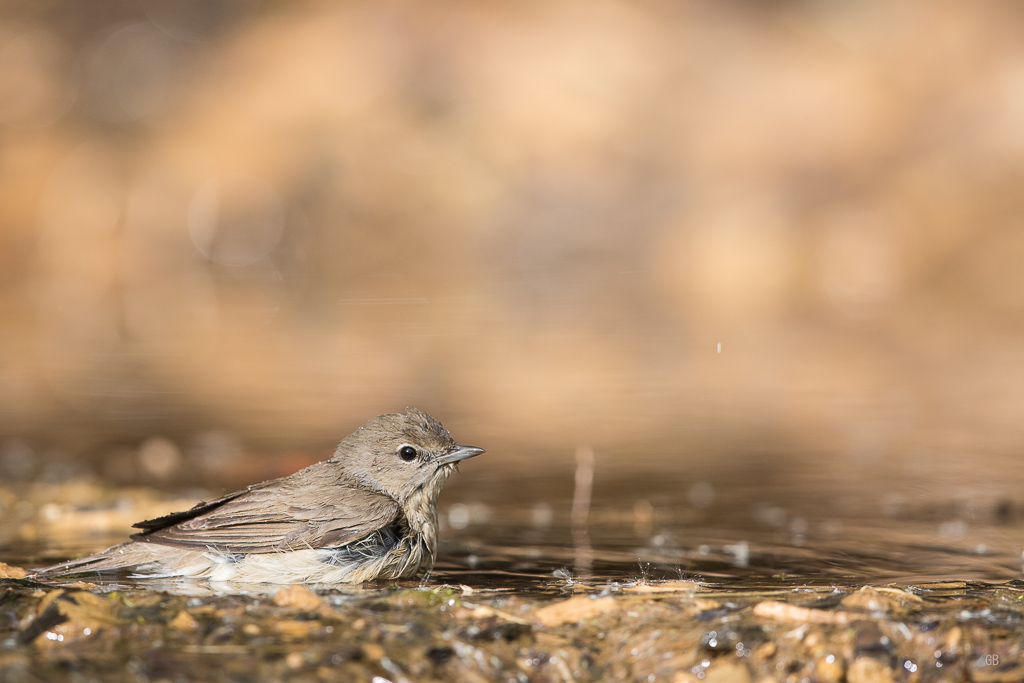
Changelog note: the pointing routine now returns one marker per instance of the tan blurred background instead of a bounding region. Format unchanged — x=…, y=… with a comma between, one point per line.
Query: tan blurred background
x=233, y=229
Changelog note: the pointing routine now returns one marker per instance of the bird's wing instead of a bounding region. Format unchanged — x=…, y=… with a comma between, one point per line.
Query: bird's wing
x=284, y=514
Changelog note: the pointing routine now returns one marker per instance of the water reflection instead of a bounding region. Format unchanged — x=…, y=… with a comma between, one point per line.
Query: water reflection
x=540, y=547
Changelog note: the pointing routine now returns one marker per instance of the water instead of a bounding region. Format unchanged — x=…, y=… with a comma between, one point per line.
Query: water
x=748, y=535
x=524, y=539
x=849, y=553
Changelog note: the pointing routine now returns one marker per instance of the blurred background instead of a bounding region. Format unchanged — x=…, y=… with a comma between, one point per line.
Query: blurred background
x=705, y=239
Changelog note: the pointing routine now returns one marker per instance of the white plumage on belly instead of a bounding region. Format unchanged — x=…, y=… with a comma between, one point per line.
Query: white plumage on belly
x=349, y=564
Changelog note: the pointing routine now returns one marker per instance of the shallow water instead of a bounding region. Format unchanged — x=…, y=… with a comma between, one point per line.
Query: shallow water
x=641, y=580
x=745, y=538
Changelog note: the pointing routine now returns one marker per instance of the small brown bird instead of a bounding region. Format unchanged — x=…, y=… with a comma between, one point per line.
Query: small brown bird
x=369, y=512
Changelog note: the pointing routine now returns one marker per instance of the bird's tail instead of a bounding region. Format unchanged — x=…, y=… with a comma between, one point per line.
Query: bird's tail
x=112, y=559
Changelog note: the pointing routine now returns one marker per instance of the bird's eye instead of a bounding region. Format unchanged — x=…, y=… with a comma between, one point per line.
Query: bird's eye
x=407, y=453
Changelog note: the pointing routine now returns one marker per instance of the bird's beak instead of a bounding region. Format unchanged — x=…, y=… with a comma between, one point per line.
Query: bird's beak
x=459, y=453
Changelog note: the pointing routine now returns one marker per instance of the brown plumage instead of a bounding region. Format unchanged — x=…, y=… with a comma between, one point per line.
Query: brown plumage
x=368, y=512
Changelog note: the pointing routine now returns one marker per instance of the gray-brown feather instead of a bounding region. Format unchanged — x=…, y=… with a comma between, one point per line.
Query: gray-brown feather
x=314, y=508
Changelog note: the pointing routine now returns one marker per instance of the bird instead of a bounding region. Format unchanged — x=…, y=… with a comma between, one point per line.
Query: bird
x=367, y=513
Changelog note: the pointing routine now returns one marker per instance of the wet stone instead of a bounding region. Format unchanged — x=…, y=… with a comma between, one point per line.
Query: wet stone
x=868, y=670
x=439, y=655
